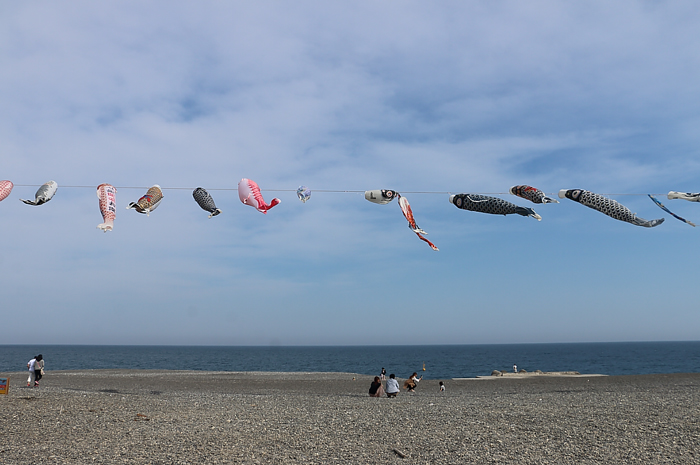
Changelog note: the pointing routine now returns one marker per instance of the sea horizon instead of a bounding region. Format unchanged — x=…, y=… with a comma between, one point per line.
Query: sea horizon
x=439, y=361
x=354, y=345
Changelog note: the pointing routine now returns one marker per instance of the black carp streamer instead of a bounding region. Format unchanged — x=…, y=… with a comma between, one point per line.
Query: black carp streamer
x=492, y=205
x=205, y=200
x=607, y=206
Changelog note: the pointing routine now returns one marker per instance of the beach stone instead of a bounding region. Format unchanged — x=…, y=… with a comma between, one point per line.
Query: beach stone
x=496, y=373
x=182, y=417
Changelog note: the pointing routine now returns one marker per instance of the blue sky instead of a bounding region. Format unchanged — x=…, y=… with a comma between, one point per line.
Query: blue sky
x=450, y=97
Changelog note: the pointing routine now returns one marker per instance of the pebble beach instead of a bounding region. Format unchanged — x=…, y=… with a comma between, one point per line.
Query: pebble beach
x=196, y=417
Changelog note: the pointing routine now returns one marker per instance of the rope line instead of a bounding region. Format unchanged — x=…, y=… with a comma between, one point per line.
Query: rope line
x=331, y=191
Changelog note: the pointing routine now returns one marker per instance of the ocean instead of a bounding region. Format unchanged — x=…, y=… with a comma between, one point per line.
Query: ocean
x=439, y=361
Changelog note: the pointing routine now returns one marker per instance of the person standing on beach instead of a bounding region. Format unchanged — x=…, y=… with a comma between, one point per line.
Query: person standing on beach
x=392, y=386
x=442, y=386
x=38, y=369
x=382, y=376
x=515, y=368
x=31, y=365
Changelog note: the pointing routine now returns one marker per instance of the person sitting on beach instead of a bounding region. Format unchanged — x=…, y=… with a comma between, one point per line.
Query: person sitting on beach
x=376, y=389
x=392, y=386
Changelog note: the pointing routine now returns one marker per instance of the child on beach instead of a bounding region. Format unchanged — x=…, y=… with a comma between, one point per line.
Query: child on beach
x=442, y=386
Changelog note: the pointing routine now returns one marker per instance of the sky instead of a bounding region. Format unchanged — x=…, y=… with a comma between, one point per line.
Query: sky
x=426, y=99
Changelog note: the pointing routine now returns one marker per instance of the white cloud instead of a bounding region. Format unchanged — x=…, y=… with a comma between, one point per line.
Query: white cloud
x=402, y=95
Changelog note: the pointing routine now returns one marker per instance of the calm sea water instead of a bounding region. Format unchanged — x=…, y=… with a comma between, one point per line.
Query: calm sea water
x=441, y=362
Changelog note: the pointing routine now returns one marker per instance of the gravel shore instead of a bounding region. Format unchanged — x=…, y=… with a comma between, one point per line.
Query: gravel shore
x=188, y=417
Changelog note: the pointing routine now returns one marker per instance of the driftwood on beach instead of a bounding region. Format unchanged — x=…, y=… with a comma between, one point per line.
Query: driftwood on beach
x=171, y=417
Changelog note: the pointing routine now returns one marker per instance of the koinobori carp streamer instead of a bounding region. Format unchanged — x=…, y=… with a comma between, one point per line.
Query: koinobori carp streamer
x=205, y=201
x=107, y=195
x=5, y=189
x=408, y=214
x=663, y=207
x=532, y=194
x=249, y=193
x=492, y=205
x=607, y=206
x=148, y=202
x=304, y=193
x=689, y=196
x=381, y=196
x=44, y=194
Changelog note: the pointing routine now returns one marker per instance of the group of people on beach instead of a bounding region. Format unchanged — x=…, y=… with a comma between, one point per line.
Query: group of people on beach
x=377, y=389
x=36, y=370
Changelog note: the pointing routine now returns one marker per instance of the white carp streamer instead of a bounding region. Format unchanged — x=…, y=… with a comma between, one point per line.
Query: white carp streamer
x=44, y=194
x=689, y=196
x=381, y=196
x=304, y=193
